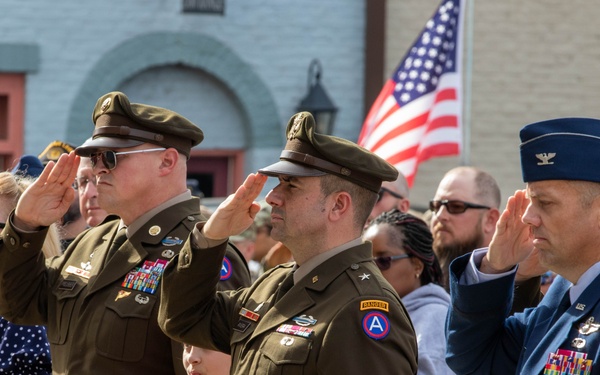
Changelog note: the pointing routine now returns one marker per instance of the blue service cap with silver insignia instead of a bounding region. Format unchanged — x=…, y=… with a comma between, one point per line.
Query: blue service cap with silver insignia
x=561, y=149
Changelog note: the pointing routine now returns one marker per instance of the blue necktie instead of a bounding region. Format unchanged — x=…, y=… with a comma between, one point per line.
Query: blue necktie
x=562, y=307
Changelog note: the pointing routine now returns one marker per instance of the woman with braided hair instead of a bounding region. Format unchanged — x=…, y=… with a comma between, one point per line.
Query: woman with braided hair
x=402, y=251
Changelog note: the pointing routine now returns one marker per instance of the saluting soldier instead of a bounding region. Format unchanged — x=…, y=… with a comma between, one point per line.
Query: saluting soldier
x=100, y=299
x=555, y=222
x=329, y=312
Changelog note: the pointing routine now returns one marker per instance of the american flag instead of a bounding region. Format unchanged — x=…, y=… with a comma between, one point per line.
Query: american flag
x=417, y=114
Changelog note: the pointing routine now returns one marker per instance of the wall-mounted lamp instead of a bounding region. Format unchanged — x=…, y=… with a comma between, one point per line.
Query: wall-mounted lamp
x=317, y=102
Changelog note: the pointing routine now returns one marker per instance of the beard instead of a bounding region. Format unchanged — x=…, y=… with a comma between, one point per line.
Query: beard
x=447, y=252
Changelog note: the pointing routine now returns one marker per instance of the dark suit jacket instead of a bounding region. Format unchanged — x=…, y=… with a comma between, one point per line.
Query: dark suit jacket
x=95, y=325
x=342, y=318
x=484, y=339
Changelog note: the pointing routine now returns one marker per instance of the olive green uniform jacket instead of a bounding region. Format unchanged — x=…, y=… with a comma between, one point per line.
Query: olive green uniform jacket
x=95, y=325
x=342, y=318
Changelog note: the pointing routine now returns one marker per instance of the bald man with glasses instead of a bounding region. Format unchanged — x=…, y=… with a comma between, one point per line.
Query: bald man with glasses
x=100, y=299
x=465, y=210
x=464, y=214
x=392, y=195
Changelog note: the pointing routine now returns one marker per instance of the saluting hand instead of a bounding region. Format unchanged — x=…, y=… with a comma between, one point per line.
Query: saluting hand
x=512, y=241
x=237, y=212
x=49, y=197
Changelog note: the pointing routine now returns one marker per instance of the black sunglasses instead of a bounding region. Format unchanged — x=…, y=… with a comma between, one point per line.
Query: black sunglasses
x=109, y=157
x=454, y=206
x=392, y=193
x=384, y=263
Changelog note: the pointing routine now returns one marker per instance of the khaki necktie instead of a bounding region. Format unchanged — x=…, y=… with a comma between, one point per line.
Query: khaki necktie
x=285, y=286
x=118, y=241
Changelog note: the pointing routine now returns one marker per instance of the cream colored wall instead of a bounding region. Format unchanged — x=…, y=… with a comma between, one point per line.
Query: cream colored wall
x=532, y=60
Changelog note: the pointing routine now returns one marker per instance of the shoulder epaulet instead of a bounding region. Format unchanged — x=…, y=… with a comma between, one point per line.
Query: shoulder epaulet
x=365, y=280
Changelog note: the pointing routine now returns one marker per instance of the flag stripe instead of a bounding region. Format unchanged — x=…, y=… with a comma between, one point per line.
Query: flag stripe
x=416, y=116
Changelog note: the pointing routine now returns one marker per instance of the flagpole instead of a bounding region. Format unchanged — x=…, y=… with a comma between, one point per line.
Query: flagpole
x=465, y=156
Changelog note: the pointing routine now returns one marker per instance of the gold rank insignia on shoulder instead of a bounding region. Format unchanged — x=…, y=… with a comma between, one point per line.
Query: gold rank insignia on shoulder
x=374, y=304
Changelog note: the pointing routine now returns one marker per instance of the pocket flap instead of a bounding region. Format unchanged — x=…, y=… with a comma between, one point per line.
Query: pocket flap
x=286, y=349
x=129, y=303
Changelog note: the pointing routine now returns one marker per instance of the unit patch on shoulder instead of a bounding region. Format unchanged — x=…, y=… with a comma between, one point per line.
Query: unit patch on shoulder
x=226, y=269
x=374, y=304
x=376, y=325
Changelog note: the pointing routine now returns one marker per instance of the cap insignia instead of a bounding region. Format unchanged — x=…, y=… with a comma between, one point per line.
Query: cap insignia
x=345, y=171
x=545, y=158
x=296, y=126
x=105, y=104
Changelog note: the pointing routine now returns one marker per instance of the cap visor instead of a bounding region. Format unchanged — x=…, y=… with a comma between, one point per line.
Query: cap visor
x=92, y=145
x=287, y=168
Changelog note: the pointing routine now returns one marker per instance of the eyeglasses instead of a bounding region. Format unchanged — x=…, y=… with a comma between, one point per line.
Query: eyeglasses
x=392, y=193
x=454, y=206
x=82, y=182
x=384, y=263
x=109, y=157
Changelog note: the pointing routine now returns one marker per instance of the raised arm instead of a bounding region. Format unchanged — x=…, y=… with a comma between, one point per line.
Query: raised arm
x=50, y=196
x=511, y=243
x=237, y=212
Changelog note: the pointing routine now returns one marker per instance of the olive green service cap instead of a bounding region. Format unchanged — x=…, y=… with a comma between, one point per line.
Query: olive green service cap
x=121, y=124
x=308, y=154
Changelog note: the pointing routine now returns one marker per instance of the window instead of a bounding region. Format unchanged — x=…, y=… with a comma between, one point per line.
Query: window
x=12, y=109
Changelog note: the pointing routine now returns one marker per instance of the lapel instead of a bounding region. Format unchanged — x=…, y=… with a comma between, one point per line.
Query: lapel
x=544, y=339
x=123, y=261
x=290, y=305
x=300, y=297
x=136, y=249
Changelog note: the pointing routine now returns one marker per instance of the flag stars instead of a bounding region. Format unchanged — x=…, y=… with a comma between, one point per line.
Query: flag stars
x=431, y=56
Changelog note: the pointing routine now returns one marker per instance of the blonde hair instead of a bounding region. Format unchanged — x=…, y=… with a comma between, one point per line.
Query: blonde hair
x=11, y=187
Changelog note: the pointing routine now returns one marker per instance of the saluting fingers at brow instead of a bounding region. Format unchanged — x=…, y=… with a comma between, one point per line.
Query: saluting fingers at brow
x=61, y=172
